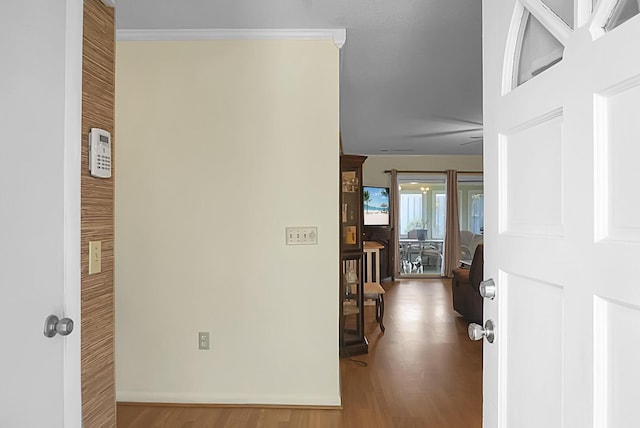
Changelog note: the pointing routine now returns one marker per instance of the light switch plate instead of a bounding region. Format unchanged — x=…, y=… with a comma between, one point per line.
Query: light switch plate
x=95, y=257
x=301, y=235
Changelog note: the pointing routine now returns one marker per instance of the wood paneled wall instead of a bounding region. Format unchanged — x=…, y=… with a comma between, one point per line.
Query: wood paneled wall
x=97, y=222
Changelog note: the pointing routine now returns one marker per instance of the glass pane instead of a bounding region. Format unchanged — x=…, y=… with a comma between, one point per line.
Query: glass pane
x=562, y=8
x=624, y=10
x=539, y=50
x=477, y=214
x=471, y=188
x=410, y=212
x=439, y=215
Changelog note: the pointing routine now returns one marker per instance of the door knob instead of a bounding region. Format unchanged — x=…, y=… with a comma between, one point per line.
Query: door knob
x=488, y=289
x=53, y=326
x=477, y=332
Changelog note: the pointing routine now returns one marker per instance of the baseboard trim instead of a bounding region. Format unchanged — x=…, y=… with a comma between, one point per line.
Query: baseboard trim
x=228, y=398
x=230, y=406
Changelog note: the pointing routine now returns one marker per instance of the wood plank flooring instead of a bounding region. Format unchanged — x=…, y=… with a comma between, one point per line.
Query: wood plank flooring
x=422, y=373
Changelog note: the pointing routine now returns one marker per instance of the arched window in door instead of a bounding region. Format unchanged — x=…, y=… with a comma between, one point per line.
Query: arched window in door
x=539, y=50
x=541, y=29
x=622, y=12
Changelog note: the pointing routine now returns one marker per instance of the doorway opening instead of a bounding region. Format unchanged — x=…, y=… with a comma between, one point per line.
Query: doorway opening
x=422, y=220
x=421, y=223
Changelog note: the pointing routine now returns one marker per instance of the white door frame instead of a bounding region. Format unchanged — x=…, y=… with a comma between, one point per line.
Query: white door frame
x=72, y=389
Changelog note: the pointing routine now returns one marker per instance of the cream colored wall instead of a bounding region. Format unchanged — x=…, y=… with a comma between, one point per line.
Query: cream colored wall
x=221, y=145
x=373, y=171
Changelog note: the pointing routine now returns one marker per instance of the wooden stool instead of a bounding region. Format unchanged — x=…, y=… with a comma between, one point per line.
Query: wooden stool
x=372, y=288
x=374, y=291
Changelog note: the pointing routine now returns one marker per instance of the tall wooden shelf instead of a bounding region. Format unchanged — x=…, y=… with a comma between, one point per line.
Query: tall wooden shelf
x=352, y=339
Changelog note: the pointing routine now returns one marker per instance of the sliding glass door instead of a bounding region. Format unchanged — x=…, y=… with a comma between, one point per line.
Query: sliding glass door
x=421, y=223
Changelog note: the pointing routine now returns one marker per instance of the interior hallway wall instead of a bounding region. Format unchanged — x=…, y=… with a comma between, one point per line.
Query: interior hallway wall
x=221, y=145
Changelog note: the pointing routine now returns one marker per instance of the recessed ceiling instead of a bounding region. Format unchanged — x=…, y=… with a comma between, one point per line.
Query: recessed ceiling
x=411, y=72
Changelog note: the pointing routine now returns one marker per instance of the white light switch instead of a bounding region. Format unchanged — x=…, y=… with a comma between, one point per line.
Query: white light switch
x=95, y=257
x=301, y=235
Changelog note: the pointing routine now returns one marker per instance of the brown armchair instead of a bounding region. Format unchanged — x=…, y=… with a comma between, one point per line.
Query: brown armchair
x=466, y=294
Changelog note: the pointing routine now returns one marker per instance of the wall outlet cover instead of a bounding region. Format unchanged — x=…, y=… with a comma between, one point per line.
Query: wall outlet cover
x=203, y=340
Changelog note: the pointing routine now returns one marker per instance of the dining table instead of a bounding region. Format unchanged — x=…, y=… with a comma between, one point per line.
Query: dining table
x=410, y=246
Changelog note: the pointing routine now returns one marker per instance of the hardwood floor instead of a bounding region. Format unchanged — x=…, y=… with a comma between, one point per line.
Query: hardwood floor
x=423, y=372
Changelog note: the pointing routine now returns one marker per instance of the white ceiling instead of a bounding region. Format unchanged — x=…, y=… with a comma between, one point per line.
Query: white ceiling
x=411, y=69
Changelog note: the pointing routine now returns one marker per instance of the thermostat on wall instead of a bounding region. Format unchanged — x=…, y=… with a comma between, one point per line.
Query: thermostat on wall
x=100, y=153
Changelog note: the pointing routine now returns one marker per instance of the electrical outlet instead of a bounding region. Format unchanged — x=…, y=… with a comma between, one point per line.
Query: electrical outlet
x=203, y=340
x=301, y=235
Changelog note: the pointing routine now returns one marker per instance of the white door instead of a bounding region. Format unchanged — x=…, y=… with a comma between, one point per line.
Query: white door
x=40, y=113
x=562, y=152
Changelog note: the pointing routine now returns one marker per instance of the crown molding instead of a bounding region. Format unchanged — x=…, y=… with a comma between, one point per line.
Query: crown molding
x=337, y=35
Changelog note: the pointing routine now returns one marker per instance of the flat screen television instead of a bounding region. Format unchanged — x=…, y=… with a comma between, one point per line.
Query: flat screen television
x=376, y=206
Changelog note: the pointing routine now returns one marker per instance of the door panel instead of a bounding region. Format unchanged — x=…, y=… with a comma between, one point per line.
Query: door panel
x=561, y=222
x=616, y=361
x=522, y=152
x=39, y=210
x=617, y=119
x=534, y=372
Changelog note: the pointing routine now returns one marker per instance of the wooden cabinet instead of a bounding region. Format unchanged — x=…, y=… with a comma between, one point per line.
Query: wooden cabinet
x=352, y=340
